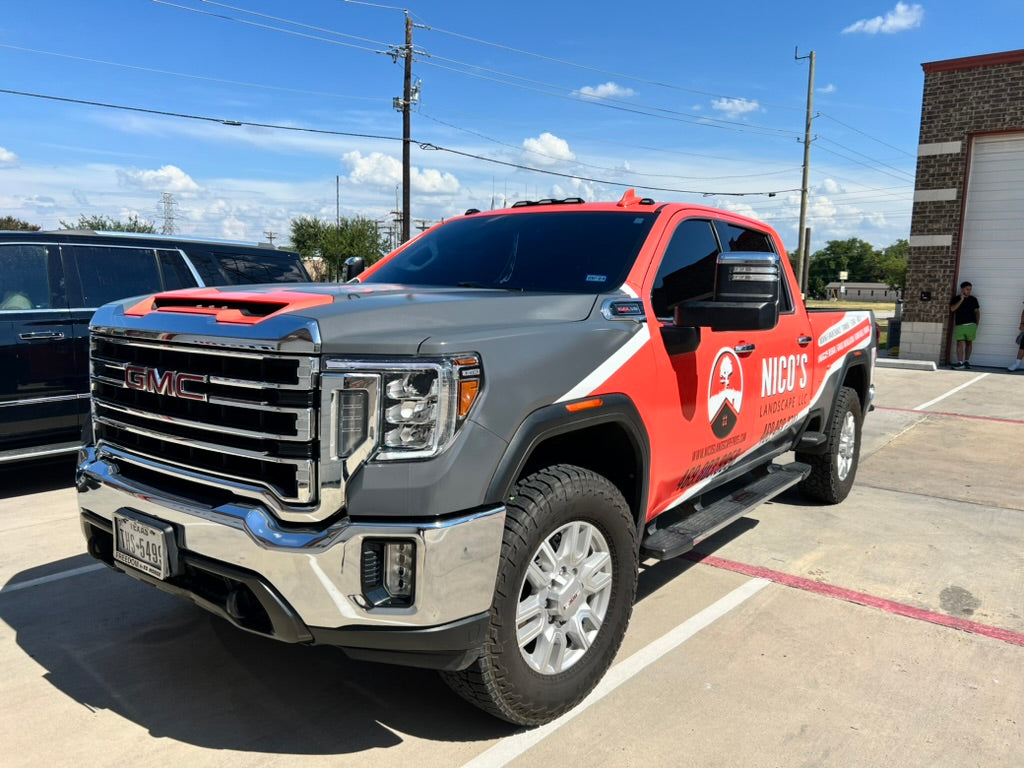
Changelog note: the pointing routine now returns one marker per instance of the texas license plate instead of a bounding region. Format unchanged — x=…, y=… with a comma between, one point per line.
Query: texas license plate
x=141, y=545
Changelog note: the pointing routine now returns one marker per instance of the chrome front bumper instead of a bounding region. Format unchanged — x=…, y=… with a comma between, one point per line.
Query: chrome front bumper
x=316, y=570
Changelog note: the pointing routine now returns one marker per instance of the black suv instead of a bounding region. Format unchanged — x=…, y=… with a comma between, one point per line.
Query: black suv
x=50, y=284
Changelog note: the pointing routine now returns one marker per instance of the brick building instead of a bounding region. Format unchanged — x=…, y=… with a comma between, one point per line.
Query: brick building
x=968, y=216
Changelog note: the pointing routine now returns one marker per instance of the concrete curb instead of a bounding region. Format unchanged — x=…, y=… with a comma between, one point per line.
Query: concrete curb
x=916, y=365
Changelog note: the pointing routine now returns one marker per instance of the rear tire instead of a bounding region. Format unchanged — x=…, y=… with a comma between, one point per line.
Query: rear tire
x=563, y=597
x=833, y=471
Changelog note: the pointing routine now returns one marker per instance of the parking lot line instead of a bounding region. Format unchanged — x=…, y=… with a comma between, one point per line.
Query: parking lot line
x=860, y=598
x=508, y=749
x=953, y=391
x=52, y=577
x=949, y=414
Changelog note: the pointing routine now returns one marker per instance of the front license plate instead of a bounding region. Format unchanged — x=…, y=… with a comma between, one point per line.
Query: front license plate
x=141, y=546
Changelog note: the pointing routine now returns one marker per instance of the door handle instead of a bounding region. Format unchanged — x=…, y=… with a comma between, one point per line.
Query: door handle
x=41, y=335
x=803, y=341
x=743, y=349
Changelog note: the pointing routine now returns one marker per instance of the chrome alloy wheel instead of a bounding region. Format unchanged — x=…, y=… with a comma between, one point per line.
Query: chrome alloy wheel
x=847, y=446
x=564, y=598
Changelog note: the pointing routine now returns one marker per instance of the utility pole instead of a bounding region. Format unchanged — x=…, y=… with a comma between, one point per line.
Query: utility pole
x=805, y=256
x=404, y=104
x=270, y=236
x=337, y=201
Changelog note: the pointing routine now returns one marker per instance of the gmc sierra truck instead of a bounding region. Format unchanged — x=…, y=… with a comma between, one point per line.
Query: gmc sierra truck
x=458, y=458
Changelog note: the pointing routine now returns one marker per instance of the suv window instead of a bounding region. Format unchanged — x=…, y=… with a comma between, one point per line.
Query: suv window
x=24, y=278
x=259, y=267
x=565, y=252
x=687, y=268
x=176, y=272
x=115, y=272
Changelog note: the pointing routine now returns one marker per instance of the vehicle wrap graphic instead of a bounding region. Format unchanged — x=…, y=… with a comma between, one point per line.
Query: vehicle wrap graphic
x=725, y=392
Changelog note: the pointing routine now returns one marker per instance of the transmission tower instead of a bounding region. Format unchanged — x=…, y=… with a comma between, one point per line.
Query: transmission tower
x=166, y=212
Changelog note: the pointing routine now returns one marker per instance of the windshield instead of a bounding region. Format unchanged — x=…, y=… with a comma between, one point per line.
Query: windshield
x=564, y=252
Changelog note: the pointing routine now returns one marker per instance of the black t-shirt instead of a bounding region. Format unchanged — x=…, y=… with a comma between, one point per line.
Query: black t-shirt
x=965, y=312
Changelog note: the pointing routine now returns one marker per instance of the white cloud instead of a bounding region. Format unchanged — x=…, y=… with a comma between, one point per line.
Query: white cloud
x=829, y=187
x=7, y=158
x=233, y=228
x=609, y=90
x=169, y=178
x=830, y=88
x=899, y=19
x=548, y=149
x=735, y=107
x=380, y=169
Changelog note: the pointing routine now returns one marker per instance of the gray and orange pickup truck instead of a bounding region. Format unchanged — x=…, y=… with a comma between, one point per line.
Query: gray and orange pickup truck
x=458, y=458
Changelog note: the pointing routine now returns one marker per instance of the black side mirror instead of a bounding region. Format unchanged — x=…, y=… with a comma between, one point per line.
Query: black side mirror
x=747, y=290
x=354, y=265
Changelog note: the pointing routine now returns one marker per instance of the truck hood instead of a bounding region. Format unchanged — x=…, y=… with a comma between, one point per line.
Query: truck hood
x=353, y=318
x=386, y=319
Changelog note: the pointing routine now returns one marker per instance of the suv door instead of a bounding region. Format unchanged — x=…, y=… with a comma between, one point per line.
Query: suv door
x=41, y=396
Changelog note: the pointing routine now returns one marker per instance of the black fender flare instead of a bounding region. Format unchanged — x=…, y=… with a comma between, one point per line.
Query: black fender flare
x=831, y=393
x=555, y=420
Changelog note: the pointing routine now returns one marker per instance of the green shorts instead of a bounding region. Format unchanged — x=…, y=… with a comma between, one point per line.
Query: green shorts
x=965, y=332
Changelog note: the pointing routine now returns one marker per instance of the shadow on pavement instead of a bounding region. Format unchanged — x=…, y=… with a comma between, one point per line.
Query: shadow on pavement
x=112, y=643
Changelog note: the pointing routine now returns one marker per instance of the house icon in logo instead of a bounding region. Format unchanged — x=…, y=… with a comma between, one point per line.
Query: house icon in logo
x=725, y=392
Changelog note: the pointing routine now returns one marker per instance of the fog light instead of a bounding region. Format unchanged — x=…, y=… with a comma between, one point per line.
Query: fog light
x=388, y=573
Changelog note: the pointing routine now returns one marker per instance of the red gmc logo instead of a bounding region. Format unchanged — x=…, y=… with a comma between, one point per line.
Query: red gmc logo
x=169, y=383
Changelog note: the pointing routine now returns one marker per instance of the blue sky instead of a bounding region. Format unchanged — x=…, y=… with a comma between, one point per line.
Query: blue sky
x=684, y=101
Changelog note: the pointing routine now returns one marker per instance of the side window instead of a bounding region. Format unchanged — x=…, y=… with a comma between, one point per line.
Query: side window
x=24, y=278
x=206, y=266
x=736, y=238
x=266, y=266
x=687, y=268
x=108, y=273
x=176, y=272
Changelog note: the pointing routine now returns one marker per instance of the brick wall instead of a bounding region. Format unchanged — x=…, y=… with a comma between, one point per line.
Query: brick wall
x=962, y=98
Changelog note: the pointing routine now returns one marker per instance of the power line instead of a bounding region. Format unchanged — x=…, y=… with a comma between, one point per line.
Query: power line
x=205, y=78
x=470, y=131
x=867, y=157
x=421, y=144
x=610, y=73
x=868, y=135
x=601, y=101
x=225, y=17
x=706, y=122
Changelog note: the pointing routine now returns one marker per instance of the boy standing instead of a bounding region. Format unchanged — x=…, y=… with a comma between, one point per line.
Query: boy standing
x=966, y=317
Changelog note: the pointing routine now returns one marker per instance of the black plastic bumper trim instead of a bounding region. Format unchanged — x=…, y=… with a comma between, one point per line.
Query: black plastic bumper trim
x=450, y=646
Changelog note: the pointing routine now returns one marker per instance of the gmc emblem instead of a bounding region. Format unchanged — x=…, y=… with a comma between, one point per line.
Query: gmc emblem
x=169, y=383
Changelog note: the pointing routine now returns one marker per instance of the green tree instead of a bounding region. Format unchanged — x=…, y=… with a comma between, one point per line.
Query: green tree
x=102, y=223
x=854, y=256
x=9, y=222
x=332, y=243
x=892, y=263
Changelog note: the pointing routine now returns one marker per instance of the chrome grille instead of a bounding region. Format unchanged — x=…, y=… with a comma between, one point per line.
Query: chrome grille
x=248, y=422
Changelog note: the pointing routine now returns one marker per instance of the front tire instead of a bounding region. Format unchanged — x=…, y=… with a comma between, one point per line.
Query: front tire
x=833, y=471
x=563, y=598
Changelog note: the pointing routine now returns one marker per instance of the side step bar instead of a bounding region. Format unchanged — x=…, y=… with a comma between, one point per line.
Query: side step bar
x=681, y=537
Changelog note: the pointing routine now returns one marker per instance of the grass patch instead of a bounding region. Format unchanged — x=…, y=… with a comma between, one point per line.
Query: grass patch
x=877, y=306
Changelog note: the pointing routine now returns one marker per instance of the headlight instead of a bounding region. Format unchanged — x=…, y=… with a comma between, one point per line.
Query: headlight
x=399, y=410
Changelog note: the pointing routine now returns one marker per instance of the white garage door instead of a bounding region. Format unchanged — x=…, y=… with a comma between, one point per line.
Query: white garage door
x=992, y=251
